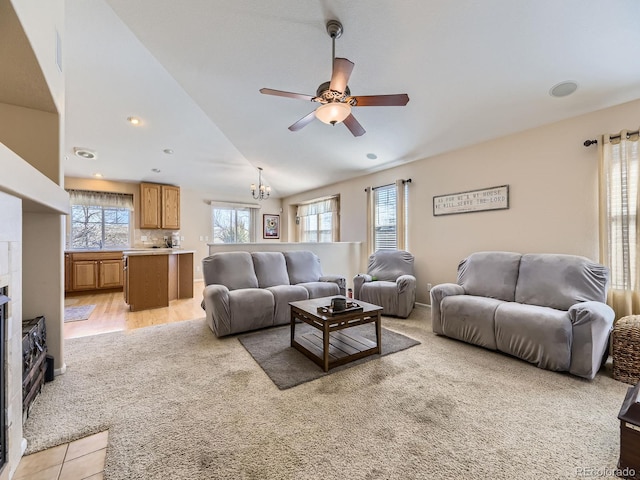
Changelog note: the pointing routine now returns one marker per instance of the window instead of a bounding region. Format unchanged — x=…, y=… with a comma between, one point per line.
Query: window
x=388, y=216
x=233, y=224
x=318, y=221
x=385, y=234
x=100, y=220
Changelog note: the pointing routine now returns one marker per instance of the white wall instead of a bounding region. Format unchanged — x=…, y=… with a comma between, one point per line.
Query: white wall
x=41, y=19
x=553, y=194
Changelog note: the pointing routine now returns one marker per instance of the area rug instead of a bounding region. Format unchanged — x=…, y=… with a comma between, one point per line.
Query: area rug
x=287, y=367
x=77, y=313
x=180, y=403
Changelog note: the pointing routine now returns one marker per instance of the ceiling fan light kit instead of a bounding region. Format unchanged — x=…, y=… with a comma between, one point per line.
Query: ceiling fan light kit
x=335, y=97
x=332, y=113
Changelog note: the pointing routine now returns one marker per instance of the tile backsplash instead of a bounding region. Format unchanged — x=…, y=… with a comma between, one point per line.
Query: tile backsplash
x=150, y=237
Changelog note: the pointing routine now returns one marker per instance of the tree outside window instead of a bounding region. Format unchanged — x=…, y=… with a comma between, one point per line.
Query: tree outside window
x=232, y=225
x=99, y=227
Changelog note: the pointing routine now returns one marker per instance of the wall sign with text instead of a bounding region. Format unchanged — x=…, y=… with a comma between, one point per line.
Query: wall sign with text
x=493, y=198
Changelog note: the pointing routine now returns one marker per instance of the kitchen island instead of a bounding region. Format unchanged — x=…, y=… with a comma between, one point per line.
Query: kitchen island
x=155, y=276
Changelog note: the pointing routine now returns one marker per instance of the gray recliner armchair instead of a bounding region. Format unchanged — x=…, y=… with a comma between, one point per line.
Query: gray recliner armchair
x=389, y=282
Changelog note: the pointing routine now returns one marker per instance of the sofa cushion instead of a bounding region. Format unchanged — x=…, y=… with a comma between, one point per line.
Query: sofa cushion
x=232, y=269
x=249, y=309
x=321, y=289
x=282, y=295
x=539, y=335
x=270, y=268
x=470, y=319
x=490, y=274
x=559, y=281
x=303, y=266
x=381, y=293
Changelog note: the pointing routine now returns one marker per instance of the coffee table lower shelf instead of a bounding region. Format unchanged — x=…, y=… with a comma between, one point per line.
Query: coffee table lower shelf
x=344, y=347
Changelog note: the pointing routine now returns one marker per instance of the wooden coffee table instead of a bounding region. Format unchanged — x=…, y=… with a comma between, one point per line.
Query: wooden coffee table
x=330, y=343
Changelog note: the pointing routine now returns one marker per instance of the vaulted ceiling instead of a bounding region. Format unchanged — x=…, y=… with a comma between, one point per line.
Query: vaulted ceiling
x=191, y=70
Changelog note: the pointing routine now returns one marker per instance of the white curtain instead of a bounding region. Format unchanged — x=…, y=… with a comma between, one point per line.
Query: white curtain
x=619, y=249
x=89, y=198
x=310, y=220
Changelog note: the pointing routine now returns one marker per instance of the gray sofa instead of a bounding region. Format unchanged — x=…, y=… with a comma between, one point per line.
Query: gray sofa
x=547, y=309
x=246, y=291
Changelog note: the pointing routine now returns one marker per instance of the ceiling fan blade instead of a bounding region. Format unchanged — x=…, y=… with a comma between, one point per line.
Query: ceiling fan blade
x=303, y=122
x=354, y=126
x=280, y=93
x=399, y=100
x=342, y=69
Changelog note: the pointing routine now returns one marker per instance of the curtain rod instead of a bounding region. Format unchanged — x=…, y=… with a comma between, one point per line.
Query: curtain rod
x=404, y=182
x=588, y=143
x=99, y=192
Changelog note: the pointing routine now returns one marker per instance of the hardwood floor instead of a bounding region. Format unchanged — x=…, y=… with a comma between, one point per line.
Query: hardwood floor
x=112, y=314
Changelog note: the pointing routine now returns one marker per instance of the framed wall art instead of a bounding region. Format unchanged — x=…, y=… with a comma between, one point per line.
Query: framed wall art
x=493, y=198
x=270, y=226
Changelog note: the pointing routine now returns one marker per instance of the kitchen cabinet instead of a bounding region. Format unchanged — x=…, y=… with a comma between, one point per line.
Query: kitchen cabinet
x=154, y=278
x=150, y=205
x=159, y=206
x=85, y=275
x=170, y=207
x=110, y=274
x=93, y=271
x=67, y=272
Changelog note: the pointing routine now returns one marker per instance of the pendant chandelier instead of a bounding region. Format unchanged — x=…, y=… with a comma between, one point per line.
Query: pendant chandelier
x=262, y=191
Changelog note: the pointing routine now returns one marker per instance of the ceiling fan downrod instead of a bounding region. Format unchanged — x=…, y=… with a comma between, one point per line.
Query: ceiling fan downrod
x=334, y=29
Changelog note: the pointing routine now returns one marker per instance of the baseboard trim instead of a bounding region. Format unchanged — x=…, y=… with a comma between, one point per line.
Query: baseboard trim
x=61, y=370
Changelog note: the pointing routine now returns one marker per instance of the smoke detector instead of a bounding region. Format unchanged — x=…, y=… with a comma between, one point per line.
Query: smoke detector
x=85, y=153
x=563, y=89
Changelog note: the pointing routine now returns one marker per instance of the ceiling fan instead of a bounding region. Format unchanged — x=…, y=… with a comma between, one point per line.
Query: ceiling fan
x=335, y=97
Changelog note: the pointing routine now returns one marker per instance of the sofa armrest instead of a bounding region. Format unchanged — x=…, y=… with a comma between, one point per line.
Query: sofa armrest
x=406, y=283
x=216, y=306
x=437, y=294
x=591, y=323
x=358, y=281
x=337, y=279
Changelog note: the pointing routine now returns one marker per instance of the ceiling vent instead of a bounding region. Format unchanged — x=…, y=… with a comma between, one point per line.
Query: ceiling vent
x=85, y=153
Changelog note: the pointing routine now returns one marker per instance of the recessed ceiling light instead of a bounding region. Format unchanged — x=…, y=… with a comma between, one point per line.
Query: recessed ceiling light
x=372, y=156
x=98, y=175
x=563, y=89
x=85, y=153
x=156, y=170
x=168, y=151
x=133, y=120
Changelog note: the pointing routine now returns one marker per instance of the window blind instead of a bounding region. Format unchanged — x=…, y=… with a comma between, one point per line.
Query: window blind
x=385, y=225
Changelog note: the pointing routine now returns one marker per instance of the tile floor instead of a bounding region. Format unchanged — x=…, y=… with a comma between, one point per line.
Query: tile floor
x=79, y=460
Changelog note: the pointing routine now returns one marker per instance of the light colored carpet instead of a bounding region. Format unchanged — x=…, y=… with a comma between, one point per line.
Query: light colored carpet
x=77, y=313
x=287, y=367
x=182, y=404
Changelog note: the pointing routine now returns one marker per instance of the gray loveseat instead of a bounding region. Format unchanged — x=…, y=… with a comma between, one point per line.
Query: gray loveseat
x=246, y=291
x=547, y=309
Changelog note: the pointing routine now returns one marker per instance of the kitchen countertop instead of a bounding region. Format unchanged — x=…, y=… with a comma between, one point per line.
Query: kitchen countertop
x=134, y=251
x=155, y=251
